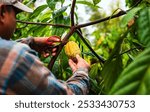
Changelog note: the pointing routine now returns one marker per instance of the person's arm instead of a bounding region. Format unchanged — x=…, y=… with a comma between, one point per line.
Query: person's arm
x=43, y=45
x=80, y=70
x=28, y=40
x=30, y=76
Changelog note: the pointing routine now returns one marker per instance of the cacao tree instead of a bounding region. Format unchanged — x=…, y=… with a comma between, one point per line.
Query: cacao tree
x=119, y=54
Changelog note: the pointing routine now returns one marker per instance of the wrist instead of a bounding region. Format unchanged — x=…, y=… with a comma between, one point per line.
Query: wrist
x=83, y=70
x=31, y=42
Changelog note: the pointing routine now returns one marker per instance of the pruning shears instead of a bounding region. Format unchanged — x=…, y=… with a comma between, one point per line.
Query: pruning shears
x=53, y=41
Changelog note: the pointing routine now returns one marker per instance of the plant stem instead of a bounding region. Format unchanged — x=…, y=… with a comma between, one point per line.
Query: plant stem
x=132, y=49
x=72, y=12
x=99, y=57
x=39, y=23
x=31, y=1
x=80, y=25
x=102, y=20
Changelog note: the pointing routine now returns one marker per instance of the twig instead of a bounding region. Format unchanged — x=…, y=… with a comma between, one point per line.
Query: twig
x=72, y=12
x=128, y=51
x=39, y=23
x=102, y=20
x=29, y=2
x=22, y=27
x=132, y=49
x=114, y=12
x=137, y=3
x=99, y=57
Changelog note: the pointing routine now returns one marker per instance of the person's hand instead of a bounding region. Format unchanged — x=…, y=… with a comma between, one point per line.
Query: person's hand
x=45, y=45
x=80, y=63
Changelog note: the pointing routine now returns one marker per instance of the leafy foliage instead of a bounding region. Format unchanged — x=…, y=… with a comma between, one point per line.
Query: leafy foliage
x=134, y=79
x=143, y=27
x=96, y=1
x=131, y=14
x=89, y=4
x=59, y=18
x=52, y=3
x=124, y=46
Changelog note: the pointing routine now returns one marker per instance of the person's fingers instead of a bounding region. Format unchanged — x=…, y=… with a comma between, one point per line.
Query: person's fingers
x=54, y=49
x=72, y=65
x=54, y=39
x=45, y=55
x=71, y=62
x=53, y=54
x=52, y=43
x=82, y=62
x=78, y=57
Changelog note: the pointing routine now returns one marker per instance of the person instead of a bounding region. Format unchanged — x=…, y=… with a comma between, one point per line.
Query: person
x=22, y=72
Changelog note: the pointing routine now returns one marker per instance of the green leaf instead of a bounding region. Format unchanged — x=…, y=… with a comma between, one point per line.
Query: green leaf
x=38, y=10
x=67, y=20
x=96, y=2
x=144, y=88
x=111, y=72
x=129, y=88
x=95, y=88
x=131, y=3
x=144, y=26
x=56, y=69
x=59, y=12
x=147, y=1
x=62, y=1
x=63, y=59
x=37, y=30
x=135, y=78
x=113, y=66
x=87, y=3
x=59, y=18
x=94, y=71
x=52, y=3
x=130, y=15
x=45, y=16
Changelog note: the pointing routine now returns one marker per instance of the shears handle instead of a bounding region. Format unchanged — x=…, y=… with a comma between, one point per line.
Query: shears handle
x=53, y=41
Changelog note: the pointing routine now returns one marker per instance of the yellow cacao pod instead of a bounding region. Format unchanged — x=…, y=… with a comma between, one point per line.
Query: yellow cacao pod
x=72, y=49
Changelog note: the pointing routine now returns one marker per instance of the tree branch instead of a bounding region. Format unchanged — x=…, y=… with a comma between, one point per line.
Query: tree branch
x=78, y=26
x=72, y=12
x=99, y=57
x=39, y=23
x=64, y=41
x=102, y=20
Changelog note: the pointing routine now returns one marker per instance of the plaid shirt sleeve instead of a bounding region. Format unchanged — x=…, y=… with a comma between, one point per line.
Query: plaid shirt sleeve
x=21, y=72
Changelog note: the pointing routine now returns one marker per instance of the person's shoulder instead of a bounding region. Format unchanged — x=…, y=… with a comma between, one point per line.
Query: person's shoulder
x=10, y=44
x=15, y=46
x=6, y=43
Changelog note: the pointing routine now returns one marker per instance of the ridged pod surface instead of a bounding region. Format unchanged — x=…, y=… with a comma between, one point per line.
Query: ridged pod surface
x=72, y=49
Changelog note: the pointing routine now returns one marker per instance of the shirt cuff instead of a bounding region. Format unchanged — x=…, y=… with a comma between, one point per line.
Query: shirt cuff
x=82, y=71
x=29, y=41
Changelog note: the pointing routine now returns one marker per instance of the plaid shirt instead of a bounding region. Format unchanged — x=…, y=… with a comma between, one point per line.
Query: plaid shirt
x=21, y=72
